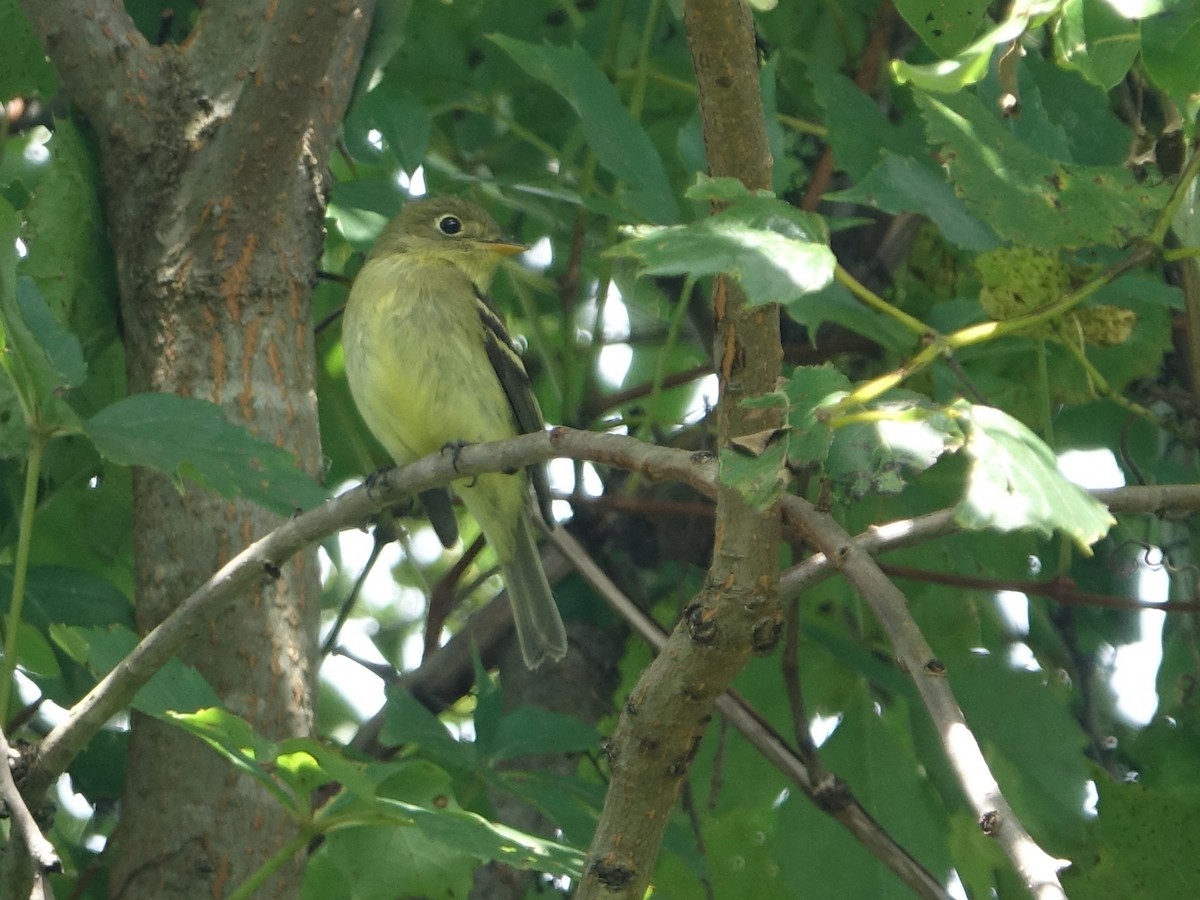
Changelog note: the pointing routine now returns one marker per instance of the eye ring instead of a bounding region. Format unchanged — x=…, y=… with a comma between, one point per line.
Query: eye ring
x=450, y=225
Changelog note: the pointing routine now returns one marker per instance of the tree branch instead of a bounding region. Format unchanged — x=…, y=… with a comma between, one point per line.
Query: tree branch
x=100, y=56
x=737, y=611
x=995, y=816
x=832, y=796
x=357, y=506
x=27, y=837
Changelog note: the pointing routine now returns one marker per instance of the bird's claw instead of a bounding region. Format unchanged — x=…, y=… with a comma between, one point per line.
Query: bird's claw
x=455, y=448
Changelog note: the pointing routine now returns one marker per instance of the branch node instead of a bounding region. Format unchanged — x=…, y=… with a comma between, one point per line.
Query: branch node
x=934, y=668
x=613, y=876
x=989, y=823
x=701, y=623
x=765, y=634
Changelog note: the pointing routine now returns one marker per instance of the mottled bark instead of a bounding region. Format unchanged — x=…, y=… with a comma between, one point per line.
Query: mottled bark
x=213, y=158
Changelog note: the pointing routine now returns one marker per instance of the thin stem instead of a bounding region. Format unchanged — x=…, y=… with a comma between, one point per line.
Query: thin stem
x=1044, y=388
x=877, y=303
x=8, y=667
x=260, y=875
x=1166, y=215
x=637, y=98
x=986, y=331
x=660, y=374
x=1178, y=253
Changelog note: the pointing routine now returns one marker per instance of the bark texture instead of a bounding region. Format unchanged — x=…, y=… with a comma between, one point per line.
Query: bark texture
x=737, y=611
x=213, y=158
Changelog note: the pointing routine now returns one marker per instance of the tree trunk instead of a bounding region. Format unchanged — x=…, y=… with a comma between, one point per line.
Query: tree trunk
x=213, y=155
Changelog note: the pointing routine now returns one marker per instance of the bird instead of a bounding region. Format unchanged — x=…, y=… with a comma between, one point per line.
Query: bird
x=430, y=365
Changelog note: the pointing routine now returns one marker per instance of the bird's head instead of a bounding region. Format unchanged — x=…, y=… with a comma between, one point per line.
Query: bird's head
x=449, y=229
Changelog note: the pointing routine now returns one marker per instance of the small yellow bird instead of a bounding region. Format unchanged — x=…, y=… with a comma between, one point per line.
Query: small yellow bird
x=430, y=363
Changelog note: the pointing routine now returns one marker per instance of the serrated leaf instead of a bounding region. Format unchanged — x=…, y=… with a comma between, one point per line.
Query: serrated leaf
x=1014, y=483
x=42, y=360
x=859, y=131
x=68, y=253
x=775, y=251
x=904, y=435
x=947, y=26
x=60, y=348
x=408, y=721
x=620, y=143
x=1096, y=40
x=484, y=840
x=1028, y=198
x=1145, y=843
x=759, y=478
x=181, y=435
x=898, y=184
x=307, y=758
x=809, y=389
x=971, y=64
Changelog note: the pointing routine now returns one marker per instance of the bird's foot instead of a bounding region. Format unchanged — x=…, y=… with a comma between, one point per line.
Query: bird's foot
x=454, y=448
x=377, y=481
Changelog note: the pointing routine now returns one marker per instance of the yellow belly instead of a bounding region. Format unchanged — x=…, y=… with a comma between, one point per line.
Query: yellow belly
x=421, y=378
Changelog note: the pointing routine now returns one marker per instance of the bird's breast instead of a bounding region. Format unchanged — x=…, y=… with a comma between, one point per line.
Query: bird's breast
x=416, y=360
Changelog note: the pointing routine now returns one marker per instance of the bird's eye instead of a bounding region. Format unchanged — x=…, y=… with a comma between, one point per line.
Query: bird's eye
x=450, y=225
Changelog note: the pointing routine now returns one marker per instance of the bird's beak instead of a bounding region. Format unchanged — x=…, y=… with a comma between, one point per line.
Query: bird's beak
x=505, y=248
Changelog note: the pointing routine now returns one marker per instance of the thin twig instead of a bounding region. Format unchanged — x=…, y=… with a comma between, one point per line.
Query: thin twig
x=830, y=795
x=41, y=852
x=350, y=510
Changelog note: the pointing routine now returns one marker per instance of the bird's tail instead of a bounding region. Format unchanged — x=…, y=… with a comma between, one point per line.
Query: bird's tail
x=539, y=626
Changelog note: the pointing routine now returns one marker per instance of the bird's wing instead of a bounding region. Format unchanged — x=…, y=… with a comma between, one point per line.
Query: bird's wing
x=506, y=362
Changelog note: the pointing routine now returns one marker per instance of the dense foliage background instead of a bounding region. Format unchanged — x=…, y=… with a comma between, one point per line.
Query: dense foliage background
x=981, y=236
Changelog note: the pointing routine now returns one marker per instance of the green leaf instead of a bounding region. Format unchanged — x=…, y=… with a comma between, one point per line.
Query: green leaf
x=484, y=840
x=34, y=652
x=182, y=436
x=24, y=69
x=348, y=865
x=859, y=132
x=1169, y=48
x=1014, y=483
x=809, y=389
x=620, y=143
x=233, y=738
x=755, y=464
x=721, y=190
x=404, y=122
x=299, y=759
x=528, y=730
x=1097, y=40
x=947, y=26
x=1145, y=844
x=971, y=64
x=775, y=251
x=173, y=687
x=408, y=721
x=1031, y=199
x=60, y=349
x=44, y=360
x=39, y=357
x=903, y=433
x=68, y=252
x=69, y=596
x=899, y=184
